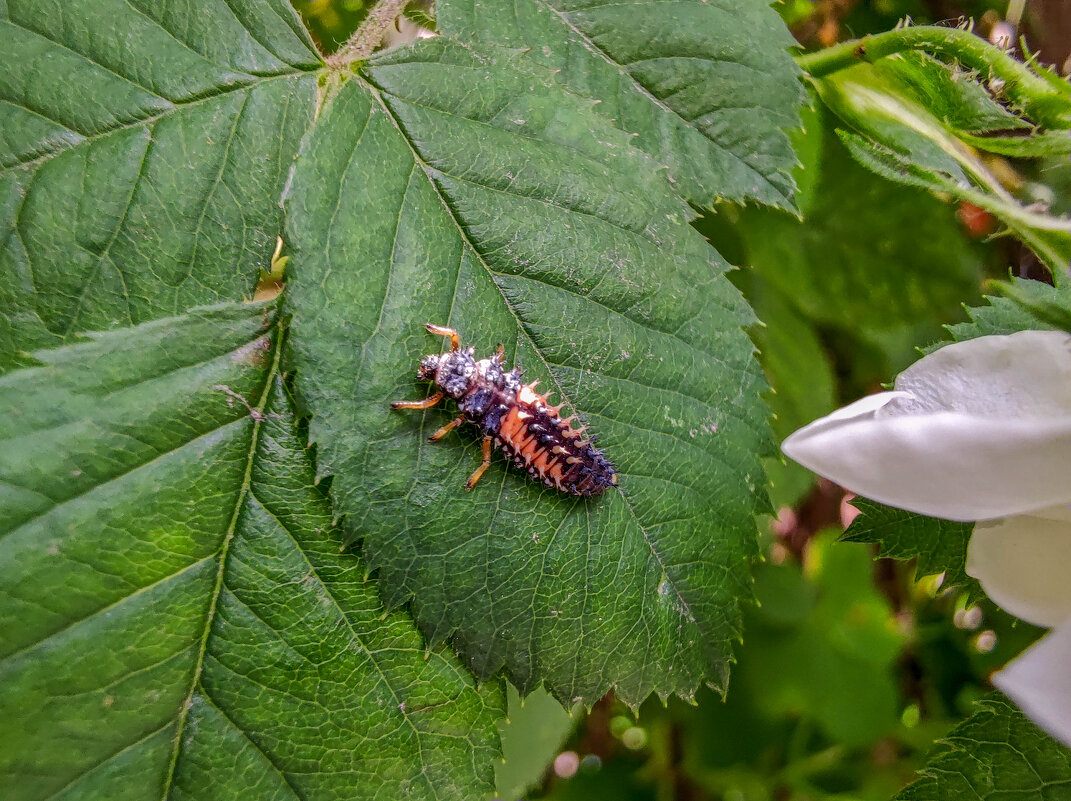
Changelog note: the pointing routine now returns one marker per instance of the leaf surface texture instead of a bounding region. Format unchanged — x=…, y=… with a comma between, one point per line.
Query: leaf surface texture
x=177, y=617
x=145, y=147
x=708, y=88
x=463, y=187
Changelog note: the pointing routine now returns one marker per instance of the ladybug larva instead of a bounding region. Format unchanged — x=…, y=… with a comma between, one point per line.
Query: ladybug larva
x=512, y=416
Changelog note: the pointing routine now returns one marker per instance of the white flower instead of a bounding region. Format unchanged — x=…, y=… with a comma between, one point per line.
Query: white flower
x=979, y=431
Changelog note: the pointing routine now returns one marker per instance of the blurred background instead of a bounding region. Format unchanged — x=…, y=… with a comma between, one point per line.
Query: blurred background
x=851, y=666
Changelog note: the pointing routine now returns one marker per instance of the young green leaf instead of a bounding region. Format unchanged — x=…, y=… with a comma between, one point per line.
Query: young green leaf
x=940, y=546
x=965, y=107
x=459, y=187
x=144, y=150
x=997, y=753
x=1049, y=237
x=908, y=128
x=177, y=618
x=709, y=89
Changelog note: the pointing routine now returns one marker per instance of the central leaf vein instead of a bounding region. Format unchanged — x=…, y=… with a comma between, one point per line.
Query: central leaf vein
x=463, y=234
x=257, y=415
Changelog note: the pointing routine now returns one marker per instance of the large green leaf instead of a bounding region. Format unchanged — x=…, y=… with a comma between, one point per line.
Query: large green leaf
x=144, y=149
x=709, y=89
x=460, y=188
x=997, y=753
x=177, y=618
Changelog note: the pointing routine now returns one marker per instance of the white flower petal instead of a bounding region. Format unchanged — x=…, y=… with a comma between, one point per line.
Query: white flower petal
x=864, y=407
x=948, y=464
x=1022, y=563
x=977, y=430
x=1039, y=682
x=1027, y=374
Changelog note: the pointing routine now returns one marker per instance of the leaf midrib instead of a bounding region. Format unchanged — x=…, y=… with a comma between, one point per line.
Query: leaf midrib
x=228, y=537
x=374, y=91
x=247, y=492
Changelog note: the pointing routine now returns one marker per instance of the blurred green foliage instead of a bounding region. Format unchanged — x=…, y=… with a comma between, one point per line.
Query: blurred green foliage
x=839, y=693
x=331, y=22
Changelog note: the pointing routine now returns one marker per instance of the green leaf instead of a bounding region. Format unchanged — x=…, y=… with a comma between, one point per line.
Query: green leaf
x=1050, y=307
x=940, y=546
x=1029, y=89
x=908, y=137
x=997, y=753
x=709, y=89
x=177, y=618
x=1022, y=305
x=423, y=14
x=1049, y=143
x=953, y=95
x=957, y=98
x=145, y=148
x=460, y=188
x=1049, y=237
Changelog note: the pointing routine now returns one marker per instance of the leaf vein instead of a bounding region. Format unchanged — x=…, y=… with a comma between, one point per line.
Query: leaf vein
x=452, y=215
x=243, y=491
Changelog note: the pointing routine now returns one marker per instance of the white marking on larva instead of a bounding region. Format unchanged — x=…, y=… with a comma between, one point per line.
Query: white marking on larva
x=526, y=395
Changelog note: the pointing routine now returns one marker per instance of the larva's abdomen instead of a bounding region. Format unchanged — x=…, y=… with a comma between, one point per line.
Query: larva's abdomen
x=550, y=450
x=513, y=416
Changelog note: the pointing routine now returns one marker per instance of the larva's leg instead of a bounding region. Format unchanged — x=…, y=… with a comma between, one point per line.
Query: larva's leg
x=427, y=403
x=442, y=331
x=500, y=353
x=446, y=429
x=483, y=465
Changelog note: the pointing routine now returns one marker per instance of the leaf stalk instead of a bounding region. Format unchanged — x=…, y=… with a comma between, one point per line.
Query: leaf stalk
x=1045, y=98
x=368, y=35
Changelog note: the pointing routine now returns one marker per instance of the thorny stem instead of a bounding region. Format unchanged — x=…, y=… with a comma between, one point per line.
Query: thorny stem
x=370, y=33
x=1044, y=100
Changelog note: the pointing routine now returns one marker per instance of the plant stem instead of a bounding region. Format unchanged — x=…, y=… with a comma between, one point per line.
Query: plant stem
x=1041, y=98
x=368, y=36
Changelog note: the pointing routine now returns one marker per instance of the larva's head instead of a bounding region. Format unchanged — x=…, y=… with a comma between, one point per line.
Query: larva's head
x=454, y=372
x=429, y=366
